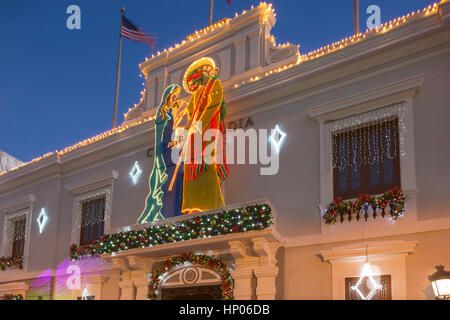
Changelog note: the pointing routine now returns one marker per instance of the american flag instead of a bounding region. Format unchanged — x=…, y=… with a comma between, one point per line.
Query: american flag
x=130, y=31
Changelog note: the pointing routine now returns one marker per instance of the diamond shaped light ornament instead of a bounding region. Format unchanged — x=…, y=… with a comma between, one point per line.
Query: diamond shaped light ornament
x=277, y=137
x=135, y=172
x=372, y=284
x=42, y=220
x=85, y=295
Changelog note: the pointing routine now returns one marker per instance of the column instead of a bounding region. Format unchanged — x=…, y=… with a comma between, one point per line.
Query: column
x=266, y=288
x=140, y=275
x=126, y=283
x=140, y=281
x=243, y=286
x=95, y=285
x=267, y=270
x=127, y=287
x=243, y=270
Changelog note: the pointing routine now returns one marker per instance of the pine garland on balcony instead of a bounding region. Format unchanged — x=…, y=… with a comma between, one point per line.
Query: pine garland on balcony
x=394, y=199
x=195, y=259
x=12, y=297
x=7, y=262
x=253, y=217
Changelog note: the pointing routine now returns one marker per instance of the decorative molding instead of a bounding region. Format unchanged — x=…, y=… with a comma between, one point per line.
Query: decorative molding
x=120, y=264
x=139, y=263
x=18, y=203
x=94, y=182
x=351, y=105
x=266, y=251
x=239, y=249
x=178, y=277
x=357, y=252
x=12, y=287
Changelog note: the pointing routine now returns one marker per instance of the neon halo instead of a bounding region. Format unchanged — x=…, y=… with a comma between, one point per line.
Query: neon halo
x=206, y=64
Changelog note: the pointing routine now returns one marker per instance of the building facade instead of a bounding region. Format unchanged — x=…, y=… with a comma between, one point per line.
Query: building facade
x=360, y=133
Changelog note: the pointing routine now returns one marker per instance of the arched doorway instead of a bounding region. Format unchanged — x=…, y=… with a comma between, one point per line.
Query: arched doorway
x=190, y=282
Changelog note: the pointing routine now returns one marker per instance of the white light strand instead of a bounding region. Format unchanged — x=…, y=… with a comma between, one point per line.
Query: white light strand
x=348, y=126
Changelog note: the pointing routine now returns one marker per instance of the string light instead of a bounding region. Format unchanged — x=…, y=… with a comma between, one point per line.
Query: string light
x=269, y=11
x=325, y=50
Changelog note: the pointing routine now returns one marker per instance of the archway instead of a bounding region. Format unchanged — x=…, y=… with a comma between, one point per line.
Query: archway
x=191, y=277
x=189, y=282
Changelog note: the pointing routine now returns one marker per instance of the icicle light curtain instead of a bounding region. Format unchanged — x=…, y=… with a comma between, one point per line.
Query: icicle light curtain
x=365, y=150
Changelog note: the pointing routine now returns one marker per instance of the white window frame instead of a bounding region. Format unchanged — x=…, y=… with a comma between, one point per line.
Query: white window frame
x=23, y=206
x=87, y=189
x=401, y=93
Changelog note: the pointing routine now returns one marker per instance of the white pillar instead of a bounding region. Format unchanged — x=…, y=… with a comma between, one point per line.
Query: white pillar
x=267, y=270
x=140, y=280
x=127, y=286
x=266, y=288
x=243, y=289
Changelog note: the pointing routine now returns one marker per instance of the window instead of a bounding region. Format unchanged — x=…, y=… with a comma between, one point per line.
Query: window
x=18, y=244
x=92, y=220
x=15, y=233
x=383, y=294
x=366, y=158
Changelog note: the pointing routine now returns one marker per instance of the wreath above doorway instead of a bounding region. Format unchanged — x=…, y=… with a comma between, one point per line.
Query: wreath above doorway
x=195, y=259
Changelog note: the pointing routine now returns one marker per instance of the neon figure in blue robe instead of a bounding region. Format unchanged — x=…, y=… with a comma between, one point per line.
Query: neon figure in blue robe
x=162, y=203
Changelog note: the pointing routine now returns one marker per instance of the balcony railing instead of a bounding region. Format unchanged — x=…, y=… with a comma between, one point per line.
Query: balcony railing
x=8, y=262
x=391, y=203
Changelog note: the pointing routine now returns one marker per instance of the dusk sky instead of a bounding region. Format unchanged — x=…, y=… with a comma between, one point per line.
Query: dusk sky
x=57, y=85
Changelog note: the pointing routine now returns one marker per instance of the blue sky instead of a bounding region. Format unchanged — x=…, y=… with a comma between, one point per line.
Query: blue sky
x=57, y=85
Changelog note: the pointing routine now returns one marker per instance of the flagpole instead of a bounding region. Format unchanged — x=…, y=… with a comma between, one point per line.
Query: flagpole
x=211, y=8
x=355, y=16
x=118, y=70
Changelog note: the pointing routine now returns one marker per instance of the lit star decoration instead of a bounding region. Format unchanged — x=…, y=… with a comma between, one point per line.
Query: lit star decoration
x=367, y=272
x=42, y=220
x=277, y=133
x=135, y=172
x=85, y=294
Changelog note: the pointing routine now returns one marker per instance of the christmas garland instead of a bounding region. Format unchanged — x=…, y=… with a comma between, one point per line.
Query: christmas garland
x=12, y=297
x=195, y=259
x=394, y=199
x=7, y=262
x=254, y=217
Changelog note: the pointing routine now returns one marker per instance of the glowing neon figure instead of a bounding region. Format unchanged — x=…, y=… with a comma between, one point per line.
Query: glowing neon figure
x=162, y=203
x=202, y=181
